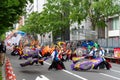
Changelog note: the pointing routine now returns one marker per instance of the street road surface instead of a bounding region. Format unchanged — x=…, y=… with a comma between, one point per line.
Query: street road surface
x=41, y=72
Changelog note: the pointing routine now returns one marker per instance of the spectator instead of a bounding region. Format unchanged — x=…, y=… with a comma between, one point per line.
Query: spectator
x=2, y=47
x=2, y=51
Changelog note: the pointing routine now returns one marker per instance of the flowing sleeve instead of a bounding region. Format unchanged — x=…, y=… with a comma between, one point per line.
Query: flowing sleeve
x=53, y=55
x=91, y=53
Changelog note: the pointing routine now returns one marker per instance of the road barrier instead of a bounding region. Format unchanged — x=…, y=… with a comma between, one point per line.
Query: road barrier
x=112, y=59
x=9, y=71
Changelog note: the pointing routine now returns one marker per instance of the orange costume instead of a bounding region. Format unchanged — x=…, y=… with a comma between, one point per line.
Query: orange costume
x=45, y=50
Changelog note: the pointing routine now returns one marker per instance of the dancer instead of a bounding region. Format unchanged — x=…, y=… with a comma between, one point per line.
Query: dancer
x=103, y=64
x=57, y=64
x=93, y=52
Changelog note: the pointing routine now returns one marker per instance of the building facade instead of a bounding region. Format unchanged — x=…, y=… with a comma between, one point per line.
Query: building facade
x=112, y=33
x=114, y=26
x=36, y=6
x=82, y=31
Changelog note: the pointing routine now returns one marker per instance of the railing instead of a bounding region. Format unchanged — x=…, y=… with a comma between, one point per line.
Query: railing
x=110, y=42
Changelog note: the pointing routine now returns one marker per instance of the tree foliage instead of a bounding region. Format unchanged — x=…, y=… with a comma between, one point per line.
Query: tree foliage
x=97, y=11
x=59, y=14
x=10, y=10
x=54, y=17
x=34, y=23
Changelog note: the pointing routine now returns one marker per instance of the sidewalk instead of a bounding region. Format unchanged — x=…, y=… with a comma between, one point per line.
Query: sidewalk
x=3, y=72
x=0, y=72
x=7, y=70
x=2, y=65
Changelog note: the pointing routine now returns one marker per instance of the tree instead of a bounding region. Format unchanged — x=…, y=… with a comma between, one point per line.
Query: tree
x=97, y=11
x=59, y=14
x=57, y=17
x=34, y=24
x=10, y=11
x=54, y=17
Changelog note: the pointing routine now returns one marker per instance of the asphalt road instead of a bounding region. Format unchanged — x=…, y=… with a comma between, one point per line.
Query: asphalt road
x=40, y=72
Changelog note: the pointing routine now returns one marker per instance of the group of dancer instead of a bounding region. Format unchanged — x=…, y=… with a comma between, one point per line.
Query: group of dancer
x=35, y=54
x=60, y=53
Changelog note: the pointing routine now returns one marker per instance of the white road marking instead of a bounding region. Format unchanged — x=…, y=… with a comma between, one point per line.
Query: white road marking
x=44, y=78
x=46, y=63
x=110, y=76
x=70, y=73
x=87, y=79
x=75, y=75
x=115, y=70
x=38, y=78
x=41, y=78
x=116, y=67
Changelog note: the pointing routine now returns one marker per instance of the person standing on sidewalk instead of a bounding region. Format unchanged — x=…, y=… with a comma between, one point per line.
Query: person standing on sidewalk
x=2, y=52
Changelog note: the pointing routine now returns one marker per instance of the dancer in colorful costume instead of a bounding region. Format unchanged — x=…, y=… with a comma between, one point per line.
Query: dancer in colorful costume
x=57, y=64
x=89, y=64
x=33, y=54
x=36, y=58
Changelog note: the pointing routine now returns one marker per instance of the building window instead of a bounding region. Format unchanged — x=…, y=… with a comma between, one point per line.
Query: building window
x=115, y=23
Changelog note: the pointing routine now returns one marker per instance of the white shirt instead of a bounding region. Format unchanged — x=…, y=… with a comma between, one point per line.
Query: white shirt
x=101, y=53
x=91, y=53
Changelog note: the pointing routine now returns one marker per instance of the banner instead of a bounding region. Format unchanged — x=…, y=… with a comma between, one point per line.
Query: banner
x=117, y=52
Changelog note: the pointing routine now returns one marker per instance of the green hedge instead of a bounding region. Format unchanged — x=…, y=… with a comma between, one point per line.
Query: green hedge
x=0, y=72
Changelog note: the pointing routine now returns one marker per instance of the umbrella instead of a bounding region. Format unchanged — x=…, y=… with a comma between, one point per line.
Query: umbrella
x=21, y=33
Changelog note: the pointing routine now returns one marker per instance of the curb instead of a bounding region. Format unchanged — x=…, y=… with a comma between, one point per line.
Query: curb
x=9, y=74
x=3, y=67
x=3, y=72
